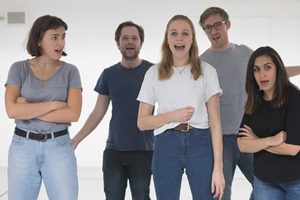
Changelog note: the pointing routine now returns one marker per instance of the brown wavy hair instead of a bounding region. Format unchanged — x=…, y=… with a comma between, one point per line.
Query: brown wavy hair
x=165, y=69
x=282, y=83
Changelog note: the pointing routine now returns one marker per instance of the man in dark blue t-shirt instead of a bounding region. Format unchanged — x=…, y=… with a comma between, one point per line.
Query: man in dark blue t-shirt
x=128, y=152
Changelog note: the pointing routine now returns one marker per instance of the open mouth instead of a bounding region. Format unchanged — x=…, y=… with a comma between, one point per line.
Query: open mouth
x=179, y=47
x=264, y=83
x=58, y=50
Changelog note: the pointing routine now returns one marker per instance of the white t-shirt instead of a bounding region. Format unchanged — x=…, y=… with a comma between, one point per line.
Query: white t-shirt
x=179, y=91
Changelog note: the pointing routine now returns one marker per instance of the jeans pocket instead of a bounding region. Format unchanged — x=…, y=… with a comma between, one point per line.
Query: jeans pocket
x=17, y=140
x=63, y=141
x=162, y=135
x=205, y=133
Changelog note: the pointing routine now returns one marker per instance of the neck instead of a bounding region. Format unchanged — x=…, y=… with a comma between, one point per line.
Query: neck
x=221, y=48
x=45, y=62
x=180, y=62
x=268, y=96
x=131, y=63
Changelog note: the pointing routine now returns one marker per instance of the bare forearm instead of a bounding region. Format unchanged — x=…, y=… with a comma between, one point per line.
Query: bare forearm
x=253, y=145
x=293, y=70
x=64, y=115
x=284, y=149
x=217, y=145
x=30, y=110
x=150, y=122
x=91, y=123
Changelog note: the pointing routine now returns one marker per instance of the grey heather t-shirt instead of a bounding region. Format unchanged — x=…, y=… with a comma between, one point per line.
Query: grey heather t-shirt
x=35, y=91
x=231, y=66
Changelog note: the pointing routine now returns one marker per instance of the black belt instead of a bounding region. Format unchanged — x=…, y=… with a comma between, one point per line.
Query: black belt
x=40, y=136
x=231, y=135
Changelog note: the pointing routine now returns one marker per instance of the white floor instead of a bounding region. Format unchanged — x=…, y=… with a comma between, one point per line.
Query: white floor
x=91, y=186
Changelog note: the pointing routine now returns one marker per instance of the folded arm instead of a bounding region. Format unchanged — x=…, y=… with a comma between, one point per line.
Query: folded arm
x=26, y=111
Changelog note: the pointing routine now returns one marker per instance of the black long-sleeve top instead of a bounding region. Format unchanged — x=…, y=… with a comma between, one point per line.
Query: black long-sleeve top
x=267, y=122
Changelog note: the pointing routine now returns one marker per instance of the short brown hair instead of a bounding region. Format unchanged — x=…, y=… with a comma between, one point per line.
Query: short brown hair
x=129, y=23
x=213, y=11
x=38, y=30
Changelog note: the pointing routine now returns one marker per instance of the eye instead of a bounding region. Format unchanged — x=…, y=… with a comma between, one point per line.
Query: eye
x=174, y=33
x=54, y=38
x=218, y=25
x=267, y=67
x=125, y=38
x=207, y=28
x=256, y=69
x=185, y=33
x=134, y=38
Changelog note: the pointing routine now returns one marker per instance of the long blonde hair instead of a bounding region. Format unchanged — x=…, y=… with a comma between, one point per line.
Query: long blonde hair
x=165, y=69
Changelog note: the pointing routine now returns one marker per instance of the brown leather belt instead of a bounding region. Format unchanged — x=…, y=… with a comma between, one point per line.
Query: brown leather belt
x=182, y=127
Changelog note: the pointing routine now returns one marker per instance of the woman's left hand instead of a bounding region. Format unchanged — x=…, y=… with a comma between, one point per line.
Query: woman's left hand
x=218, y=183
x=247, y=133
x=21, y=100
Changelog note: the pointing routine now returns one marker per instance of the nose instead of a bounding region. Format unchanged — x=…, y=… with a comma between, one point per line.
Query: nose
x=262, y=73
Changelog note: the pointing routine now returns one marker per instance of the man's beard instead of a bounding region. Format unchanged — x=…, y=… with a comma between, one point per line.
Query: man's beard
x=130, y=58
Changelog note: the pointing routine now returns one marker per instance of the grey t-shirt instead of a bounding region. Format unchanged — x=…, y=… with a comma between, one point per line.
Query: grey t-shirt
x=231, y=66
x=35, y=91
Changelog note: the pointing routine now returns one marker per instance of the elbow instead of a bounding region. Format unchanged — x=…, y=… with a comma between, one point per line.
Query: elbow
x=75, y=117
x=295, y=152
x=240, y=145
x=12, y=115
x=140, y=125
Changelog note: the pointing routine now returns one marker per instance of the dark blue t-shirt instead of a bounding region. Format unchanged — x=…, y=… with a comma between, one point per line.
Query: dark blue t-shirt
x=122, y=85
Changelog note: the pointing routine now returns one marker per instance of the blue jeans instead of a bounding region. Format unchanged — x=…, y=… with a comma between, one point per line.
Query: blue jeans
x=31, y=161
x=121, y=166
x=232, y=157
x=276, y=191
x=175, y=151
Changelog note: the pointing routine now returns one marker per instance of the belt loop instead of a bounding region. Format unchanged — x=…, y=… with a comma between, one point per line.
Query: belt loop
x=52, y=136
x=27, y=135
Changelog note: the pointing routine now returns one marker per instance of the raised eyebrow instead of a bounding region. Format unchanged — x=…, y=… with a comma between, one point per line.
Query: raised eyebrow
x=186, y=30
x=267, y=64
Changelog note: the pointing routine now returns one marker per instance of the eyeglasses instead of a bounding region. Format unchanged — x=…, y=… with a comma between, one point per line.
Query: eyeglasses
x=217, y=26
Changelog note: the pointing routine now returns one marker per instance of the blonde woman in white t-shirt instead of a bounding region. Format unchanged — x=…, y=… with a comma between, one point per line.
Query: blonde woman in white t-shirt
x=187, y=125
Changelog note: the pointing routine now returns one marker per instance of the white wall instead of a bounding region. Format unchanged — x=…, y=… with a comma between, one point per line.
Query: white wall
x=91, y=46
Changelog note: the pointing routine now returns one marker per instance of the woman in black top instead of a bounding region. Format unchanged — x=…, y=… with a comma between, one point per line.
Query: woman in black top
x=271, y=127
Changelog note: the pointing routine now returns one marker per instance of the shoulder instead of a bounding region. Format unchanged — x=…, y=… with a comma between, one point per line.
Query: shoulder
x=147, y=63
x=207, y=68
x=20, y=66
x=294, y=95
x=242, y=48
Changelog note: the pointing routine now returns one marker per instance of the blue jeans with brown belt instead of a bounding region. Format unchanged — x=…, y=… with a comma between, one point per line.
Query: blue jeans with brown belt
x=176, y=152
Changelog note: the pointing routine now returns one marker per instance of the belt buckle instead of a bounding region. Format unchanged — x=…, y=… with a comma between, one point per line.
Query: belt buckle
x=187, y=128
x=45, y=137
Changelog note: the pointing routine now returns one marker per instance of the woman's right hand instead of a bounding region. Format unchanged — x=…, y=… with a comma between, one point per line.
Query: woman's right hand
x=277, y=139
x=59, y=104
x=183, y=114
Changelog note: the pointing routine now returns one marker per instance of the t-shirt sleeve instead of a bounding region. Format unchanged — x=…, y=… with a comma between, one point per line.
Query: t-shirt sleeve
x=74, y=79
x=147, y=93
x=15, y=75
x=101, y=85
x=245, y=121
x=293, y=119
x=212, y=81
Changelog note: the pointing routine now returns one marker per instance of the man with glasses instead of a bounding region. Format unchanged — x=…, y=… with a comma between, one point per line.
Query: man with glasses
x=230, y=60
